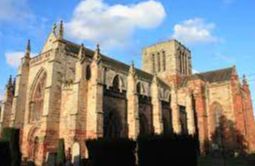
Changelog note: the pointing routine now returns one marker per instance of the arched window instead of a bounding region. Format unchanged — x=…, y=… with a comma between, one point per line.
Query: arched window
x=167, y=116
x=143, y=124
x=88, y=73
x=183, y=119
x=159, y=64
x=167, y=122
x=180, y=62
x=216, y=113
x=164, y=60
x=112, y=125
x=0, y=111
x=153, y=63
x=138, y=88
x=37, y=101
x=116, y=83
x=195, y=113
x=215, y=122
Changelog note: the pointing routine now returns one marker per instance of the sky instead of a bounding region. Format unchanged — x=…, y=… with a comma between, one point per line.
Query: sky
x=219, y=33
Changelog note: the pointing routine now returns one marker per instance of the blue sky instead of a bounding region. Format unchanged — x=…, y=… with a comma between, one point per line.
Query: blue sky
x=220, y=33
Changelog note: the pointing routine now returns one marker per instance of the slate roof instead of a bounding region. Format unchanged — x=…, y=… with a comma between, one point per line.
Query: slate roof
x=210, y=76
x=219, y=75
x=74, y=48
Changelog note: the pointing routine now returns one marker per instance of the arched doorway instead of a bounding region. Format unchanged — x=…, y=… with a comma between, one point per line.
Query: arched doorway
x=33, y=143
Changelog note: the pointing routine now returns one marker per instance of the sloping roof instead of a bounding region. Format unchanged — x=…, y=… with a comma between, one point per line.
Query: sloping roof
x=219, y=75
x=74, y=48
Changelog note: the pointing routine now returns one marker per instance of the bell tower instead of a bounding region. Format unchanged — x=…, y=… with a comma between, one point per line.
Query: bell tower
x=166, y=59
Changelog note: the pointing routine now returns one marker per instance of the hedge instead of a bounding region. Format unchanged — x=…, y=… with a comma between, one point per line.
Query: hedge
x=5, y=155
x=113, y=152
x=11, y=135
x=171, y=149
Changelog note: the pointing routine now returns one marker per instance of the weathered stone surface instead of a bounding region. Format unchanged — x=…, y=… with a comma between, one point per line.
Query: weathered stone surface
x=88, y=95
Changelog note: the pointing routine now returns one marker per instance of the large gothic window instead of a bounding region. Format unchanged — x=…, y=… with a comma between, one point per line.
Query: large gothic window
x=195, y=113
x=167, y=116
x=216, y=113
x=143, y=124
x=215, y=122
x=140, y=88
x=183, y=119
x=116, y=83
x=112, y=125
x=36, y=103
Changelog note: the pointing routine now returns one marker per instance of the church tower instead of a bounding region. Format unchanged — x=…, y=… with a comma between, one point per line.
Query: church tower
x=169, y=58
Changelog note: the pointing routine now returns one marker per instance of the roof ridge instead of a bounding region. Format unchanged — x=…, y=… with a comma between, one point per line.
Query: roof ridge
x=217, y=70
x=109, y=58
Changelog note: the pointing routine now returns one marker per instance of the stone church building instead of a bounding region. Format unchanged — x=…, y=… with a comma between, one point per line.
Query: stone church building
x=72, y=92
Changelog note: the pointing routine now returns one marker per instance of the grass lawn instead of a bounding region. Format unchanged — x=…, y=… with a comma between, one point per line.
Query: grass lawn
x=219, y=161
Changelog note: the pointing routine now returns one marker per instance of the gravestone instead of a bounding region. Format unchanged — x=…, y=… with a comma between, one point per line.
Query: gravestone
x=76, y=154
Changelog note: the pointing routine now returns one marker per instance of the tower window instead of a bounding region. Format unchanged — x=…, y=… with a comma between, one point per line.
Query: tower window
x=159, y=64
x=185, y=63
x=153, y=63
x=180, y=62
x=164, y=60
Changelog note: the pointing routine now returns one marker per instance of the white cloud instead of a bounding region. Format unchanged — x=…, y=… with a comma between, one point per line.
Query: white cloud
x=14, y=58
x=194, y=71
x=96, y=21
x=195, y=31
x=14, y=10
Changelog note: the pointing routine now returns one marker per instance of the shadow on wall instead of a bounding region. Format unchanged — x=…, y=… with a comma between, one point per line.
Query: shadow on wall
x=226, y=140
x=227, y=146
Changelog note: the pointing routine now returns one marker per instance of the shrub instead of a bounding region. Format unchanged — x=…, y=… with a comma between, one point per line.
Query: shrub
x=170, y=149
x=5, y=155
x=11, y=135
x=61, y=152
x=14, y=146
x=114, y=152
x=6, y=133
